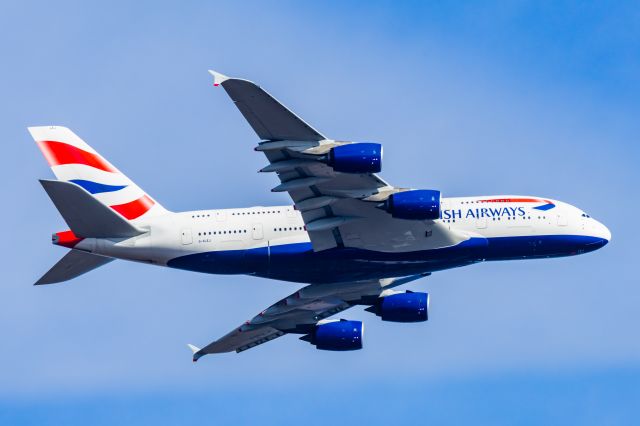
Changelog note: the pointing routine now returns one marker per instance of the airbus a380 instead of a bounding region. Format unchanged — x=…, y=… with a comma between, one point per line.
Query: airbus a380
x=351, y=237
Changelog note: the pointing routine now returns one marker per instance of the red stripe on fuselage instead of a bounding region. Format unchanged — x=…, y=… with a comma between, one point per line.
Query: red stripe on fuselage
x=135, y=208
x=60, y=153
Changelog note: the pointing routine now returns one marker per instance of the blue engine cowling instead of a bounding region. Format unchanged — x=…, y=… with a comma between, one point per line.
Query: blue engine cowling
x=362, y=157
x=340, y=335
x=402, y=307
x=419, y=204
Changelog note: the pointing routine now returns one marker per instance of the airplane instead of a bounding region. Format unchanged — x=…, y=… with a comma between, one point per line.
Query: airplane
x=349, y=236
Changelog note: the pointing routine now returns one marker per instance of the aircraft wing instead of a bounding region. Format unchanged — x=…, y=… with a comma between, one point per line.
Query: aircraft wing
x=300, y=312
x=269, y=118
x=339, y=209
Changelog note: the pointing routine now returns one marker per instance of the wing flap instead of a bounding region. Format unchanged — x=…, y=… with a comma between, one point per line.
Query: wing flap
x=239, y=341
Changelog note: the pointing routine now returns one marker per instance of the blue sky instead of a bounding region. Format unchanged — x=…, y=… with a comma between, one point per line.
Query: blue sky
x=536, y=98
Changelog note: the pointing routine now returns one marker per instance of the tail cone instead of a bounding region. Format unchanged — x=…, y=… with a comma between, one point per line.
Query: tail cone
x=65, y=239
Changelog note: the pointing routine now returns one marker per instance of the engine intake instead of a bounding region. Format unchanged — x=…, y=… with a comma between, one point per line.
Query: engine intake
x=365, y=157
x=339, y=335
x=402, y=307
x=419, y=204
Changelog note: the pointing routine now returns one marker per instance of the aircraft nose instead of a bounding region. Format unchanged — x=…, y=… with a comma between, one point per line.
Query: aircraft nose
x=599, y=236
x=602, y=231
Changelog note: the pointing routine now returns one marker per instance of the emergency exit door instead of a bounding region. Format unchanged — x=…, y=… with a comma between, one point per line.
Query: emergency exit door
x=186, y=236
x=256, y=231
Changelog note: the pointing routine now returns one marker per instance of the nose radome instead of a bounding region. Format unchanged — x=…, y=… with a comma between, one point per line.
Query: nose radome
x=602, y=231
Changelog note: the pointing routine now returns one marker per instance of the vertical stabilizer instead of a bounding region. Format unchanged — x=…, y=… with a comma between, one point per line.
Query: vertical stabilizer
x=73, y=160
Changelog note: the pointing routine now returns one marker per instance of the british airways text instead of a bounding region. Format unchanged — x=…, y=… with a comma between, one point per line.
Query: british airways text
x=483, y=212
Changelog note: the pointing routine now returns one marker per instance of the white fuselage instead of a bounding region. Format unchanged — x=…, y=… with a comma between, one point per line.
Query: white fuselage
x=273, y=242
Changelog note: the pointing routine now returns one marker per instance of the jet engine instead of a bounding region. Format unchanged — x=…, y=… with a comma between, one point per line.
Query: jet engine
x=336, y=335
x=362, y=157
x=418, y=204
x=402, y=307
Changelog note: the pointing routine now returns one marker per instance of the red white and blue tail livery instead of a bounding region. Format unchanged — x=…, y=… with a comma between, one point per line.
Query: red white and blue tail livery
x=349, y=236
x=73, y=160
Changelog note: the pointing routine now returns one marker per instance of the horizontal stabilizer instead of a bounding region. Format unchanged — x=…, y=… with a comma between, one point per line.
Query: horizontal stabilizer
x=86, y=216
x=73, y=264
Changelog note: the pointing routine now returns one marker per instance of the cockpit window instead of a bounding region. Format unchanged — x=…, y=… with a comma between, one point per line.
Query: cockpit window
x=585, y=215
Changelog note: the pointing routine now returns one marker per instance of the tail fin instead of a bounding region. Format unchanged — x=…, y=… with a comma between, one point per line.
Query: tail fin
x=73, y=160
x=73, y=264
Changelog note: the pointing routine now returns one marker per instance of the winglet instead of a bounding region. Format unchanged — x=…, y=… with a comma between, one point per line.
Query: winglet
x=195, y=351
x=218, y=78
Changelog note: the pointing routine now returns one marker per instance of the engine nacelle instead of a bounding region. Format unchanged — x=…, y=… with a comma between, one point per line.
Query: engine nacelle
x=419, y=204
x=362, y=157
x=402, y=307
x=339, y=335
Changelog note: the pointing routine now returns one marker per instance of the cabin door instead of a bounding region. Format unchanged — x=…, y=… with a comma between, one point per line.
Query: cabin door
x=256, y=231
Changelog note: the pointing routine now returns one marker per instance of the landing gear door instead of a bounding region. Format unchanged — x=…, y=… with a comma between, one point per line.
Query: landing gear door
x=256, y=231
